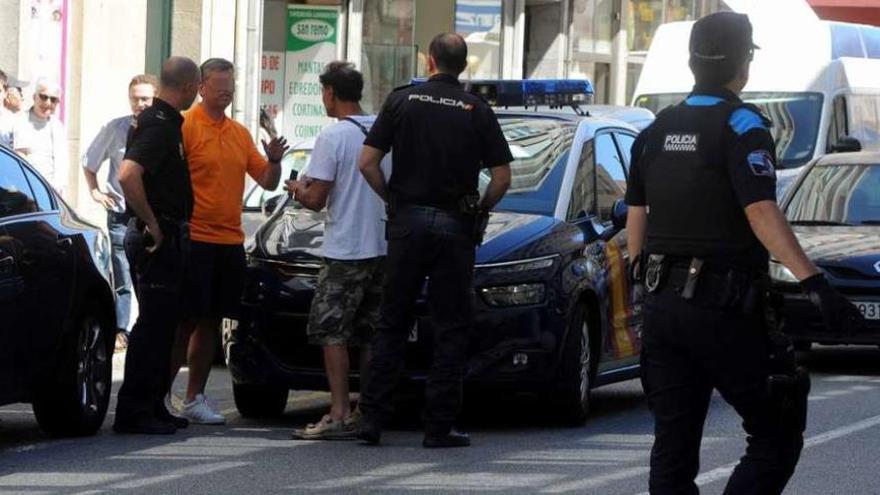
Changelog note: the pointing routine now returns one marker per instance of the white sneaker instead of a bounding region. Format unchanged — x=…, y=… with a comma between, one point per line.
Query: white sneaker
x=200, y=412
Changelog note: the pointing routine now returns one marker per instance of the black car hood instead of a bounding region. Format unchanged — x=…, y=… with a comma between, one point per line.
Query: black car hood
x=850, y=248
x=296, y=234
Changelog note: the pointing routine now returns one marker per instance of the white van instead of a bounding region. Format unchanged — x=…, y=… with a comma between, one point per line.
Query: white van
x=818, y=81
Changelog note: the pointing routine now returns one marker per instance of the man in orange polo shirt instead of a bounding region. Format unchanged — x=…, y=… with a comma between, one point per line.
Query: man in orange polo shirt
x=220, y=152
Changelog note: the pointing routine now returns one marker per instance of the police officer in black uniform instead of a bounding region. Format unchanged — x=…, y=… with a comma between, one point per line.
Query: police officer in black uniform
x=442, y=136
x=158, y=191
x=702, y=217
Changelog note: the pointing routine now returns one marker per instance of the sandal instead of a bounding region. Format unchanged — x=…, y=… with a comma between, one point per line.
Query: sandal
x=326, y=429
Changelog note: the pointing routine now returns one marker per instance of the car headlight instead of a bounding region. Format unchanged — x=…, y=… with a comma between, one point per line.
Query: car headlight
x=513, y=295
x=518, y=266
x=779, y=273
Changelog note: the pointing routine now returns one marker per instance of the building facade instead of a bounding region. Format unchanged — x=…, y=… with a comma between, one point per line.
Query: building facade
x=858, y=11
x=280, y=46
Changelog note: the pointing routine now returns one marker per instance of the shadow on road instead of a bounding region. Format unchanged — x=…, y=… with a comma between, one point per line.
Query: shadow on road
x=847, y=360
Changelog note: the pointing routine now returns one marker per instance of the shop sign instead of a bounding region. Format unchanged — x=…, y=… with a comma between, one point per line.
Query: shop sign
x=311, y=45
x=272, y=86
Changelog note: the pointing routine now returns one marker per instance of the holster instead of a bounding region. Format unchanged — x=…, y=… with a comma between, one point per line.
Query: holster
x=788, y=385
x=469, y=205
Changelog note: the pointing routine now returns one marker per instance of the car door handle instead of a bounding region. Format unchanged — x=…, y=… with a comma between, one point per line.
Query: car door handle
x=64, y=241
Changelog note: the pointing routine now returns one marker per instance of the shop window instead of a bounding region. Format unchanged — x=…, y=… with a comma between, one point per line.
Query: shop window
x=388, y=55
x=592, y=26
x=479, y=22
x=647, y=15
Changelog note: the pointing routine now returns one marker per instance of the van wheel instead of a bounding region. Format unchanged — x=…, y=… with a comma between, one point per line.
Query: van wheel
x=259, y=401
x=73, y=401
x=572, y=398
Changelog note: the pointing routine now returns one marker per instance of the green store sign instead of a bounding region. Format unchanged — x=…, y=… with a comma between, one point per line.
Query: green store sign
x=310, y=26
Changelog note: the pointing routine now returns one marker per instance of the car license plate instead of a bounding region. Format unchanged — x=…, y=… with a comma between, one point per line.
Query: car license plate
x=870, y=309
x=414, y=333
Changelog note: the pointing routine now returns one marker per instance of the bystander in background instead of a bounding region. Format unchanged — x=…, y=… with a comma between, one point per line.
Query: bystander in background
x=40, y=136
x=109, y=146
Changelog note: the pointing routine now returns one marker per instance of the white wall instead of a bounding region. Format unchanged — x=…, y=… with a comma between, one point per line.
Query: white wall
x=104, y=55
x=9, y=12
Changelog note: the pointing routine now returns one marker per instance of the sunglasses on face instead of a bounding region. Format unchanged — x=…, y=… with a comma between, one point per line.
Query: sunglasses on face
x=45, y=98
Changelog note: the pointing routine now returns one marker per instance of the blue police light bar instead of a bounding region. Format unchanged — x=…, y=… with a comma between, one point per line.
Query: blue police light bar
x=530, y=92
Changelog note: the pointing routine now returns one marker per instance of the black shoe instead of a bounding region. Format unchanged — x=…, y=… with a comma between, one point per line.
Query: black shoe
x=369, y=432
x=146, y=425
x=178, y=422
x=446, y=440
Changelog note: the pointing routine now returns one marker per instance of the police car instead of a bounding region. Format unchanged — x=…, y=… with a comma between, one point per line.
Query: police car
x=554, y=312
x=834, y=209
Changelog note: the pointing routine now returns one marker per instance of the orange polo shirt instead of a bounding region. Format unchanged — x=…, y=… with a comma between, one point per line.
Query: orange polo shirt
x=219, y=156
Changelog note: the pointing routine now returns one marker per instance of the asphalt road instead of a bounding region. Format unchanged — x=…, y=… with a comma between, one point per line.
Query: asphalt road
x=516, y=450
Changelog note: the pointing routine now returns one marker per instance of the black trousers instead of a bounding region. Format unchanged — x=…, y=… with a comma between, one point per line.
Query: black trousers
x=689, y=350
x=438, y=244
x=158, y=281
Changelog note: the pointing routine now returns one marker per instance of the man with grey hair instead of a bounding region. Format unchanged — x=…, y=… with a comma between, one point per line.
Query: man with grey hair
x=155, y=182
x=40, y=136
x=220, y=152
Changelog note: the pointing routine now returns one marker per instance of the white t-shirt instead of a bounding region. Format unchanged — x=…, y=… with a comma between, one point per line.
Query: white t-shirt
x=45, y=145
x=355, y=225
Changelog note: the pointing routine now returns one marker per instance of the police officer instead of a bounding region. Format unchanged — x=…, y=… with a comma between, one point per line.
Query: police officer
x=156, y=184
x=702, y=218
x=442, y=137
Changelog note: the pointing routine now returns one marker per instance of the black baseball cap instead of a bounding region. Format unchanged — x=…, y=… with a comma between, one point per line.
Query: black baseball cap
x=720, y=37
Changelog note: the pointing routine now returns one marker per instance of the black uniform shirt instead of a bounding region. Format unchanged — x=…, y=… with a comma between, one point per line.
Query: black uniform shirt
x=155, y=142
x=442, y=136
x=749, y=156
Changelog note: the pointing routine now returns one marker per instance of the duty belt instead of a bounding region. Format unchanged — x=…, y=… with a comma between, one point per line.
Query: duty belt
x=694, y=279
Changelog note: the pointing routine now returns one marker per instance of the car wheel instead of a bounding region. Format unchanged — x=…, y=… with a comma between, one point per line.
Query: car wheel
x=259, y=401
x=576, y=371
x=74, y=400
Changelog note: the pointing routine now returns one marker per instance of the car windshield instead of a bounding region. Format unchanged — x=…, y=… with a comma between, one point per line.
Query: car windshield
x=795, y=119
x=297, y=159
x=540, y=148
x=837, y=195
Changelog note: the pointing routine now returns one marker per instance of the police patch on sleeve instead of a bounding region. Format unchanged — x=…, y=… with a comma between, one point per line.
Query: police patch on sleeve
x=761, y=163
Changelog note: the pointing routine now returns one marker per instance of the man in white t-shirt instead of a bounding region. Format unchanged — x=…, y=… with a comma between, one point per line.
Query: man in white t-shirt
x=40, y=137
x=346, y=304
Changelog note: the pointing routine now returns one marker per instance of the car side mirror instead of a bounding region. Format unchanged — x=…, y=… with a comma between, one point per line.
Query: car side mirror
x=618, y=214
x=845, y=144
x=271, y=204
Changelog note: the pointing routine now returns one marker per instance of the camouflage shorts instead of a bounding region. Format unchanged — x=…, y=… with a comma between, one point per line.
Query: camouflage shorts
x=345, y=308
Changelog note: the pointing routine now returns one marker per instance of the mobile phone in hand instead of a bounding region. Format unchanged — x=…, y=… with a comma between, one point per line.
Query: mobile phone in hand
x=293, y=175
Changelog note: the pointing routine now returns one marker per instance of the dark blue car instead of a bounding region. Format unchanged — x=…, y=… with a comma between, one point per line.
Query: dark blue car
x=57, y=317
x=554, y=313
x=834, y=208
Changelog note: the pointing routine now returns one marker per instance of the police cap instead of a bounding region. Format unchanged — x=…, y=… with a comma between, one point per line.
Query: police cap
x=722, y=37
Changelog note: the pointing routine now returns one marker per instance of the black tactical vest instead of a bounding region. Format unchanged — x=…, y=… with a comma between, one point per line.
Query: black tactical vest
x=692, y=206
